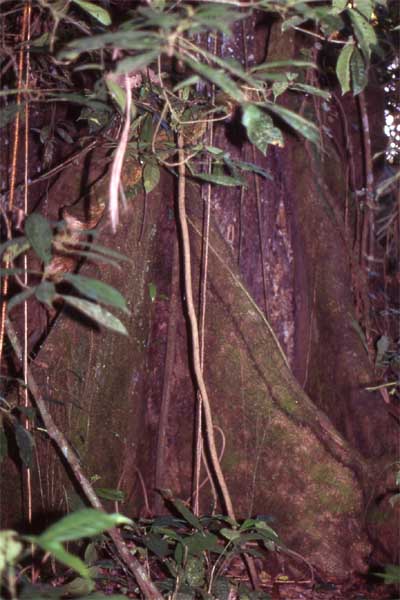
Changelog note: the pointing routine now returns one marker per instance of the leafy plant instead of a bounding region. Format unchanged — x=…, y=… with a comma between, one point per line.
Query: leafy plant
x=16, y=549
x=49, y=242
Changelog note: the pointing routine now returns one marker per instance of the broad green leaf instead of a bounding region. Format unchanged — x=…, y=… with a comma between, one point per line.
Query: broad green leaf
x=80, y=586
x=95, y=105
x=386, y=185
x=21, y=297
x=92, y=256
x=266, y=530
x=195, y=572
x=13, y=271
x=99, y=314
x=311, y=89
x=282, y=64
x=13, y=248
x=40, y=236
x=95, y=11
x=245, y=166
x=97, y=290
x=116, y=93
x=230, y=534
x=297, y=122
x=260, y=128
x=218, y=77
x=279, y=87
x=64, y=135
x=343, y=67
x=151, y=176
x=128, y=40
x=183, y=510
x=338, y=6
x=364, y=32
x=358, y=71
x=157, y=544
x=217, y=16
x=130, y=64
x=232, y=66
x=365, y=7
x=107, y=494
x=192, y=80
x=10, y=548
x=108, y=252
x=201, y=542
x=57, y=550
x=46, y=292
x=25, y=444
x=8, y=113
x=225, y=180
x=83, y=523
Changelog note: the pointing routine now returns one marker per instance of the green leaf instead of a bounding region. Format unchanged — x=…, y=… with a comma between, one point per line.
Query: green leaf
x=218, y=77
x=298, y=123
x=194, y=572
x=152, y=291
x=107, y=494
x=40, y=235
x=311, y=89
x=282, y=64
x=46, y=292
x=151, y=176
x=96, y=312
x=245, y=166
x=14, y=271
x=365, y=7
x=116, y=93
x=95, y=11
x=80, y=586
x=182, y=510
x=109, y=252
x=83, y=523
x=128, y=40
x=364, y=32
x=279, y=87
x=92, y=256
x=57, y=550
x=343, y=67
x=21, y=297
x=338, y=6
x=135, y=63
x=97, y=290
x=13, y=248
x=224, y=180
x=156, y=544
x=230, y=534
x=260, y=128
x=10, y=548
x=358, y=71
x=25, y=444
x=201, y=542
x=8, y=114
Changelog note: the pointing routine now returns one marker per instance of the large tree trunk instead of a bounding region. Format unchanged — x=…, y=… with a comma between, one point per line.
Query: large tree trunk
x=296, y=438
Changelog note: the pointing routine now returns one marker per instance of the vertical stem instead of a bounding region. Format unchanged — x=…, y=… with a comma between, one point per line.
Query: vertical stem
x=195, y=331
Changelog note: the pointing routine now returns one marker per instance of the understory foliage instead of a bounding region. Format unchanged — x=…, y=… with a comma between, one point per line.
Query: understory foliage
x=140, y=78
